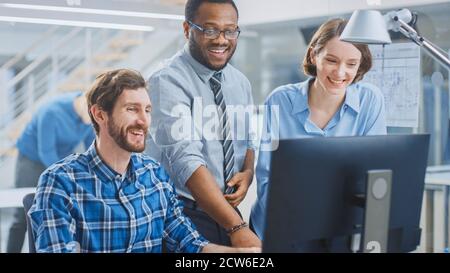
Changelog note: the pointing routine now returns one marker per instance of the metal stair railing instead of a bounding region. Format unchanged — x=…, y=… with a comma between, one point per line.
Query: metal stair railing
x=17, y=58
x=39, y=80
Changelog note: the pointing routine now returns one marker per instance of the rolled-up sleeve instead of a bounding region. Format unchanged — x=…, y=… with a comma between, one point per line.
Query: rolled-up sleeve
x=172, y=128
x=180, y=233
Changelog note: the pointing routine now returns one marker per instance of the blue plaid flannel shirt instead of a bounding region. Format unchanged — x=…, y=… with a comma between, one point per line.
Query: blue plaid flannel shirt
x=82, y=205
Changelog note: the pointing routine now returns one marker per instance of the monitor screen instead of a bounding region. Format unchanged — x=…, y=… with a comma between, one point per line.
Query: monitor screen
x=313, y=182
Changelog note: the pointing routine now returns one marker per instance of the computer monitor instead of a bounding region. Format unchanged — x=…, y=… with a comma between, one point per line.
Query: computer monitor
x=313, y=183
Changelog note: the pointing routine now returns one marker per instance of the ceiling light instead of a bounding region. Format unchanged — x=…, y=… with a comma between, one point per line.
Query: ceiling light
x=75, y=23
x=95, y=11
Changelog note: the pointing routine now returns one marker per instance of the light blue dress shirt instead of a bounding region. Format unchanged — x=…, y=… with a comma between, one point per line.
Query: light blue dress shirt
x=184, y=112
x=287, y=116
x=55, y=131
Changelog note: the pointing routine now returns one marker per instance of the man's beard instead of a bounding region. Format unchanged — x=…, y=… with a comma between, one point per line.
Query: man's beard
x=199, y=56
x=120, y=137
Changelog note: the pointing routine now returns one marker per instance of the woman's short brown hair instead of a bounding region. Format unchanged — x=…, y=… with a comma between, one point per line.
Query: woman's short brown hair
x=325, y=33
x=108, y=87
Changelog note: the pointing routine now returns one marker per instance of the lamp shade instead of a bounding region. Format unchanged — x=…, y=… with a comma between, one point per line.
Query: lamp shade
x=366, y=27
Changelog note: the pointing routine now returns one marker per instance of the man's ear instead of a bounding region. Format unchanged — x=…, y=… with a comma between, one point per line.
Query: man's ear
x=186, y=29
x=98, y=114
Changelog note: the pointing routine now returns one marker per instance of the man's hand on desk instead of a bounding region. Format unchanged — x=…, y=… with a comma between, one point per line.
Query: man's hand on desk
x=245, y=238
x=213, y=248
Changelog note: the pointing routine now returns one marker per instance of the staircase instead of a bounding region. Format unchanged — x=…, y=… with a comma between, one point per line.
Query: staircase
x=61, y=60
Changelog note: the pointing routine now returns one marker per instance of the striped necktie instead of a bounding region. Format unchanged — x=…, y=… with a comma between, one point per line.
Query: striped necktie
x=228, y=151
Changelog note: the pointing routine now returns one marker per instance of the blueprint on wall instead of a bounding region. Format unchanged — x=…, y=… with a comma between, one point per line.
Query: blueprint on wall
x=398, y=77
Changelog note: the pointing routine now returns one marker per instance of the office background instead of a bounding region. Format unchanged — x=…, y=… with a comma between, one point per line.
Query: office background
x=59, y=46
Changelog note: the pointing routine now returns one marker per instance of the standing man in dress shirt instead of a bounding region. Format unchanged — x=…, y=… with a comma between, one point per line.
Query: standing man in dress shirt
x=197, y=89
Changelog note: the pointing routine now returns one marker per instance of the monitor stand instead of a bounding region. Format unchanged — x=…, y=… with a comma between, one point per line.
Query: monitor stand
x=376, y=203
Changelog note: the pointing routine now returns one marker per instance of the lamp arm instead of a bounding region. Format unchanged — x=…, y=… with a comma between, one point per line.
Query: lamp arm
x=429, y=47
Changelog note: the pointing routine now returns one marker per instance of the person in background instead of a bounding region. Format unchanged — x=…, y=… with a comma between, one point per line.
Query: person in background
x=212, y=173
x=333, y=102
x=113, y=198
x=55, y=131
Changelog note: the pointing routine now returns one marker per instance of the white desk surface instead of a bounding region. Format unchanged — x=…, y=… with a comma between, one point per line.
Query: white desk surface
x=438, y=175
x=12, y=198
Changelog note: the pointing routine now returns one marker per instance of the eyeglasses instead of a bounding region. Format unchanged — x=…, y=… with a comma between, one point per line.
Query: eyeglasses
x=213, y=33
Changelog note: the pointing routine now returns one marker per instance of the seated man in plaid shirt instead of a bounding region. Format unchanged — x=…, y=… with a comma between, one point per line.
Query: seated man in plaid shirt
x=112, y=198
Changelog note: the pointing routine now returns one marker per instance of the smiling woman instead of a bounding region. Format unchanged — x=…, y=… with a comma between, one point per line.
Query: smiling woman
x=331, y=103
x=335, y=65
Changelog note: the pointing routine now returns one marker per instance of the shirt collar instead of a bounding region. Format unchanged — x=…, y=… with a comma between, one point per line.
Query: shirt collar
x=352, y=98
x=300, y=103
x=203, y=72
x=106, y=173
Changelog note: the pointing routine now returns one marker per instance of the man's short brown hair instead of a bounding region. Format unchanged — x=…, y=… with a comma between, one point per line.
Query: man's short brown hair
x=108, y=87
x=325, y=33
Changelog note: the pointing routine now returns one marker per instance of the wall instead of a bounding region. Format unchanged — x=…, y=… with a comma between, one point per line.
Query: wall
x=267, y=11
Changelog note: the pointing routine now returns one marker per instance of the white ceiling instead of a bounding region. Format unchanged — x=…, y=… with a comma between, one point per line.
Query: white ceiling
x=140, y=13
x=252, y=12
x=268, y=11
